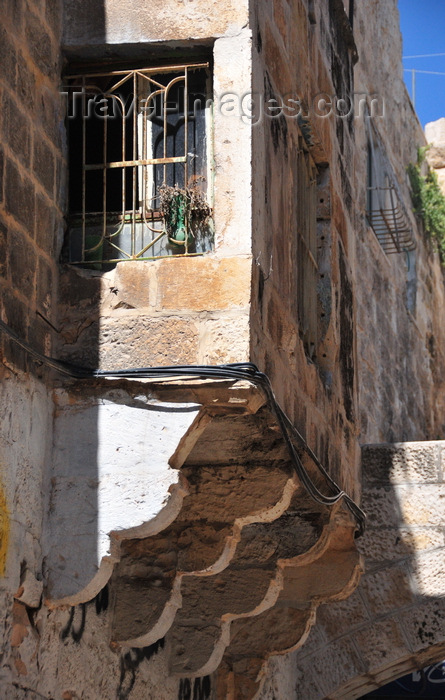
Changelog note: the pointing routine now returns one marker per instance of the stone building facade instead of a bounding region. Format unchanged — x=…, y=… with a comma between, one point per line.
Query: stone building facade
x=171, y=535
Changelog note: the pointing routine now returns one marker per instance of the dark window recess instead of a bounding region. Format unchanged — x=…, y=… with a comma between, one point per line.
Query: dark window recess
x=306, y=250
x=349, y=9
x=139, y=164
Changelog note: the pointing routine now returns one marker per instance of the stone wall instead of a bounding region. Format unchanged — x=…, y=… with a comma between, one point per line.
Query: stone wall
x=302, y=53
x=400, y=336
x=31, y=170
x=389, y=626
x=91, y=23
x=393, y=623
x=359, y=385
x=25, y=447
x=435, y=136
x=176, y=311
x=169, y=312
x=31, y=201
x=380, y=304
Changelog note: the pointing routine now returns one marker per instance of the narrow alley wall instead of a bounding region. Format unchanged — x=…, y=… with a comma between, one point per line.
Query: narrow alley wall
x=32, y=182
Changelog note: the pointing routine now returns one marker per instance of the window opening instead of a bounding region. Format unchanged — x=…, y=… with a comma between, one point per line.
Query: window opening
x=307, y=272
x=385, y=210
x=140, y=170
x=349, y=9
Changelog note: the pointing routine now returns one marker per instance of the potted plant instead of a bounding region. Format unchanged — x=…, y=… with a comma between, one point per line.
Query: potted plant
x=185, y=212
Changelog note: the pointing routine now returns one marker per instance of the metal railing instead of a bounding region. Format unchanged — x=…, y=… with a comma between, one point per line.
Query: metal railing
x=132, y=133
x=386, y=213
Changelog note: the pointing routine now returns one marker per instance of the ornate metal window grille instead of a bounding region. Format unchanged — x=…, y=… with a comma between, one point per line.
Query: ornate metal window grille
x=140, y=174
x=386, y=212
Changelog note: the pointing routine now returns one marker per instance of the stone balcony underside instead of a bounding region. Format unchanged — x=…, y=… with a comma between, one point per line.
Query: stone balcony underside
x=234, y=572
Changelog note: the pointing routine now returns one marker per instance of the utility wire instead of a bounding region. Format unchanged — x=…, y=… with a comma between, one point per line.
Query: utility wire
x=246, y=371
x=424, y=55
x=427, y=72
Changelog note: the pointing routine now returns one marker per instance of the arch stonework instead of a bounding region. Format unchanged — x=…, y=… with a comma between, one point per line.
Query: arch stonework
x=394, y=622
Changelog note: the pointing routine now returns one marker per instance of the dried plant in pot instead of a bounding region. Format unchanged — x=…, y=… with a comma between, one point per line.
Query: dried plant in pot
x=185, y=211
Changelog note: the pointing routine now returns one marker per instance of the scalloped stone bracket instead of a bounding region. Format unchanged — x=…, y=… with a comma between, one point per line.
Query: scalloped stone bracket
x=202, y=528
x=330, y=572
x=116, y=458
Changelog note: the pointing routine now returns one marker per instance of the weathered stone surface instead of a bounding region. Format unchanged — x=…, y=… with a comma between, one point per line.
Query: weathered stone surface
x=30, y=591
x=441, y=178
x=137, y=326
x=394, y=619
x=435, y=132
x=43, y=166
x=114, y=459
x=403, y=463
x=165, y=21
x=2, y=177
x=248, y=586
x=3, y=251
x=429, y=573
x=22, y=263
x=228, y=490
x=204, y=283
x=380, y=545
x=331, y=617
x=8, y=57
x=424, y=624
x=257, y=207
x=381, y=644
x=80, y=291
x=224, y=340
x=104, y=673
x=19, y=196
x=41, y=46
x=421, y=505
x=294, y=612
x=436, y=155
x=229, y=555
x=17, y=130
x=44, y=231
x=233, y=195
x=344, y=662
x=387, y=590
x=25, y=425
x=279, y=683
x=129, y=340
x=133, y=285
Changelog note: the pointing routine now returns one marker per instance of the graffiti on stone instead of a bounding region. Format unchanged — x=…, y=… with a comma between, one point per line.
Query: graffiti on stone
x=70, y=629
x=129, y=664
x=195, y=689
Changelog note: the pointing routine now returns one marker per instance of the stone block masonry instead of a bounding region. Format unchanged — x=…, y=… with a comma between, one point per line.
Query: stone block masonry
x=31, y=201
x=182, y=496
x=435, y=135
x=179, y=311
x=394, y=622
x=31, y=161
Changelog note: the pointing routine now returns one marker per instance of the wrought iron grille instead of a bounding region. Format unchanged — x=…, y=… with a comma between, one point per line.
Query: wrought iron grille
x=139, y=164
x=386, y=213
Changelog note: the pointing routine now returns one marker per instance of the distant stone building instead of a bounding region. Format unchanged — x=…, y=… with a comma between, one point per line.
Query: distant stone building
x=199, y=186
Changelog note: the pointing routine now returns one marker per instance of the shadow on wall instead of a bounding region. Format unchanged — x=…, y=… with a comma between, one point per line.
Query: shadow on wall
x=79, y=297
x=394, y=623
x=109, y=472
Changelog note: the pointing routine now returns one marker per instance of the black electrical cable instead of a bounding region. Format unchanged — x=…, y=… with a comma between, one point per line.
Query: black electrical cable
x=234, y=371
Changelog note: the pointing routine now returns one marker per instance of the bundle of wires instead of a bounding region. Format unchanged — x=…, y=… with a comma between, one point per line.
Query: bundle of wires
x=239, y=371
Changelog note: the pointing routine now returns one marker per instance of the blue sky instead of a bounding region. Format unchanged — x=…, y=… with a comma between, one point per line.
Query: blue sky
x=423, y=29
